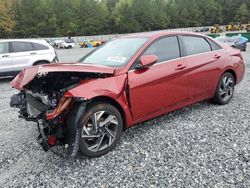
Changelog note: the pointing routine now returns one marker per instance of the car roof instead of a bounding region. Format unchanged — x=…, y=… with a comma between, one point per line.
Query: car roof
x=158, y=34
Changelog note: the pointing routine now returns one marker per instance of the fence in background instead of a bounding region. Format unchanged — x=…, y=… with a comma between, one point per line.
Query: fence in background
x=78, y=39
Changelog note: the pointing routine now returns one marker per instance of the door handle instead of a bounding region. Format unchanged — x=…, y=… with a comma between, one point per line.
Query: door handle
x=180, y=67
x=5, y=56
x=217, y=56
x=33, y=53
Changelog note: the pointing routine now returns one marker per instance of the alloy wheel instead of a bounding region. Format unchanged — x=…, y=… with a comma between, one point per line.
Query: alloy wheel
x=99, y=131
x=226, y=88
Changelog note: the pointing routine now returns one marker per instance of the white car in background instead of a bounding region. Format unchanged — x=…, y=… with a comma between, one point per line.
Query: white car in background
x=17, y=54
x=68, y=43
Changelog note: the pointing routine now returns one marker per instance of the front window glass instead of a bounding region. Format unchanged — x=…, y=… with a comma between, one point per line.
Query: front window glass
x=116, y=53
x=165, y=49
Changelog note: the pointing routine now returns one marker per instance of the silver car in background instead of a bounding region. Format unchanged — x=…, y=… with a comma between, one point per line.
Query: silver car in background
x=238, y=42
x=17, y=54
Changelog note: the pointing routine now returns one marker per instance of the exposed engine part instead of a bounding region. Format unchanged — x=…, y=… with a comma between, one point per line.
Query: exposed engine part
x=34, y=107
x=59, y=82
x=46, y=140
x=18, y=101
x=43, y=102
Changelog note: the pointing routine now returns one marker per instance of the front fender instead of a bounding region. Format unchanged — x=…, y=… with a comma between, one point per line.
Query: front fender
x=110, y=87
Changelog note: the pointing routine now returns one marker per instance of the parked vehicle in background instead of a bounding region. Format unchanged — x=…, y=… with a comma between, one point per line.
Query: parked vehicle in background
x=17, y=54
x=91, y=43
x=234, y=26
x=204, y=29
x=56, y=43
x=238, y=42
x=248, y=27
x=68, y=43
x=216, y=29
x=87, y=105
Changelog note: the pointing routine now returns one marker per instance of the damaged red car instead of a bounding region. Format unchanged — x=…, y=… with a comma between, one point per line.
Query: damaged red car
x=88, y=104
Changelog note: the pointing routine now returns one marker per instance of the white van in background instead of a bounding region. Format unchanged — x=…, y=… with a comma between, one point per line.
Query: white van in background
x=17, y=54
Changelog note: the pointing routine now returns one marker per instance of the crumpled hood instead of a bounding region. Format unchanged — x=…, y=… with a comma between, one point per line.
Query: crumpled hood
x=28, y=74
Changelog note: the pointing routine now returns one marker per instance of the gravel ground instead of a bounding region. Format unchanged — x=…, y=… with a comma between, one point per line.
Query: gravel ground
x=204, y=145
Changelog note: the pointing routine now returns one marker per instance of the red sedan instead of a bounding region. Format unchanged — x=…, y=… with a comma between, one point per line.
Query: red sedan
x=86, y=105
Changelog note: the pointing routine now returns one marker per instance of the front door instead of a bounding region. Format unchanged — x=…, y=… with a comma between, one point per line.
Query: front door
x=161, y=87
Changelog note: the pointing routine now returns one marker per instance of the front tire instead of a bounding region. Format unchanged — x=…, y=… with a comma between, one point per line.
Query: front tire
x=100, y=129
x=225, y=89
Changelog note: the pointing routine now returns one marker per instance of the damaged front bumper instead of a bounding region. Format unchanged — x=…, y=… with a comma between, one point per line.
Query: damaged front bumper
x=57, y=127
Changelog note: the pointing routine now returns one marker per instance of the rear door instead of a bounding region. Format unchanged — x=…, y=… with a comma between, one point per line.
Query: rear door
x=5, y=58
x=22, y=54
x=161, y=87
x=43, y=52
x=202, y=59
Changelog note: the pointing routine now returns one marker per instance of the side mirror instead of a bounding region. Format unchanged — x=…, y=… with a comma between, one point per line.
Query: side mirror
x=146, y=61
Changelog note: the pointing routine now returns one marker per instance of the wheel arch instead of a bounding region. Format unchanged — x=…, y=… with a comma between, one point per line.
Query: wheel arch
x=113, y=102
x=232, y=72
x=40, y=61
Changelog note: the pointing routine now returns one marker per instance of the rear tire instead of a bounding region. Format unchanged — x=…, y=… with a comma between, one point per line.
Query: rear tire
x=225, y=89
x=100, y=129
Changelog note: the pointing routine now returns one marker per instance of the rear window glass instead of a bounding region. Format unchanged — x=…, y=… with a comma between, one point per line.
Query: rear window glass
x=214, y=45
x=4, y=47
x=39, y=46
x=196, y=45
x=21, y=46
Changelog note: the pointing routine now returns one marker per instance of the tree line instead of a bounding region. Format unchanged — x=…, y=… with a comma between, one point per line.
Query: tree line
x=53, y=18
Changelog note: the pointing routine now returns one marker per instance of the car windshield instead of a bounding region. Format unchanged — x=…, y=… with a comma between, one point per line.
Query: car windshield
x=116, y=53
